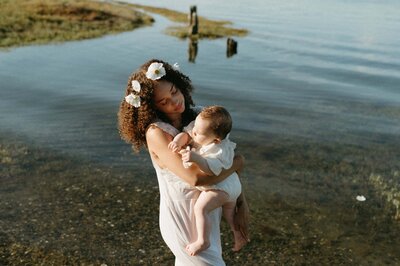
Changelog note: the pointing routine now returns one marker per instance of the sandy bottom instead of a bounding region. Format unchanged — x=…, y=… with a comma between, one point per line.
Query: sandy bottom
x=57, y=210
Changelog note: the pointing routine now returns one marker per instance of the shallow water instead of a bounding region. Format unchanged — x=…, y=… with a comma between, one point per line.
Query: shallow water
x=314, y=94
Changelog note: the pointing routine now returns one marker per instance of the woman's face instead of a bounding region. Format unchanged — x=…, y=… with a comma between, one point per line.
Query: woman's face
x=168, y=98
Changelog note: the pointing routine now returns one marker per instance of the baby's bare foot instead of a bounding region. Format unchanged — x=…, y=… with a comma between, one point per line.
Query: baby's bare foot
x=196, y=247
x=240, y=241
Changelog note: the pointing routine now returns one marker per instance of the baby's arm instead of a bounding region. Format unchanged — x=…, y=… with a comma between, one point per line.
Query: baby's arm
x=179, y=141
x=157, y=141
x=194, y=157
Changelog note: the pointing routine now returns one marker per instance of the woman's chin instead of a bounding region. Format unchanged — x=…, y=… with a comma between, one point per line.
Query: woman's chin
x=180, y=109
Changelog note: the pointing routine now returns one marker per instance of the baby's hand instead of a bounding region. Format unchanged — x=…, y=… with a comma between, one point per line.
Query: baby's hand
x=187, y=155
x=174, y=146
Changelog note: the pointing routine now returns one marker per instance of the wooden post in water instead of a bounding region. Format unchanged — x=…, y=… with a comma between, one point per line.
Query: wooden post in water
x=193, y=21
x=231, y=47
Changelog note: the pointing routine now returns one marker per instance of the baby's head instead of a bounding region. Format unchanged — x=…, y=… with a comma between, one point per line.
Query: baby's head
x=213, y=124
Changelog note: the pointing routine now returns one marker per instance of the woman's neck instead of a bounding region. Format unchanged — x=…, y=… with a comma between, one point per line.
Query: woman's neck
x=176, y=121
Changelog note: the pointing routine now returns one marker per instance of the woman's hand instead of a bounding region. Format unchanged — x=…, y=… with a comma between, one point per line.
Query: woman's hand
x=238, y=161
x=242, y=217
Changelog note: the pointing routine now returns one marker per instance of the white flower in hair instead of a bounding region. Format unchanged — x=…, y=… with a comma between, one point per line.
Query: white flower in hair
x=155, y=71
x=133, y=100
x=135, y=85
x=176, y=66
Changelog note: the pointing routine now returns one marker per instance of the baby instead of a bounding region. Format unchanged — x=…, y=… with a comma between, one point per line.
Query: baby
x=212, y=151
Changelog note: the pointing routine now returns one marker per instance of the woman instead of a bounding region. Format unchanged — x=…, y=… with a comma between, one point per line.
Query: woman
x=156, y=107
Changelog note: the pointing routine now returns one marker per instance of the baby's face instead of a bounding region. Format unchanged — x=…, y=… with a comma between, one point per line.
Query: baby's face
x=201, y=133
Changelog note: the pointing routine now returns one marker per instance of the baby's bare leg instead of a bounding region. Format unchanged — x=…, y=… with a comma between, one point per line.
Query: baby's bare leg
x=229, y=213
x=207, y=201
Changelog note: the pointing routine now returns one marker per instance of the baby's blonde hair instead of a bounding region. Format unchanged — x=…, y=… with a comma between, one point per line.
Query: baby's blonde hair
x=220, y=120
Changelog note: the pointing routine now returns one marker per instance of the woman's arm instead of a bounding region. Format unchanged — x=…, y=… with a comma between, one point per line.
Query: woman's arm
x=237, y=166
x=157, y=143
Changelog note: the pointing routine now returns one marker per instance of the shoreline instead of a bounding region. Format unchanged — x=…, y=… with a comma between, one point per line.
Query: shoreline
x=43, y=22
x=208, y=29
x=59, y=209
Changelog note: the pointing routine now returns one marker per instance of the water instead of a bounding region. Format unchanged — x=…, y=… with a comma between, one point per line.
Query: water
x=329, y=67
x=315, y=87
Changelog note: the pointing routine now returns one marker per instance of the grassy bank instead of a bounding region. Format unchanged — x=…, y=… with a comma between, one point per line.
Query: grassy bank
x=24, y=22
x=208, y=28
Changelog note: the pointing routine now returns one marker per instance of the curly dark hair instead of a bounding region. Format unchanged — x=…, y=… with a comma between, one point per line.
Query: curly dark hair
x=133, y=122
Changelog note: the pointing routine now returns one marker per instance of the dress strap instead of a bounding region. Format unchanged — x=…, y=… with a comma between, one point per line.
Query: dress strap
x=168, y=128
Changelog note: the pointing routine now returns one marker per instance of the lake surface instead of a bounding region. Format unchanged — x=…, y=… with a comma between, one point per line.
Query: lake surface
x=313, y=89
x=324, y=70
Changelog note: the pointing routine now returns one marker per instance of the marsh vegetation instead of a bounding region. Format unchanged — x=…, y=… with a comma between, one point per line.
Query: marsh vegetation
x=51, y=21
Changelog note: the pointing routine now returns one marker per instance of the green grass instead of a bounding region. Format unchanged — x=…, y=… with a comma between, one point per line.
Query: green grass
x=25, y=22
x=210, y=29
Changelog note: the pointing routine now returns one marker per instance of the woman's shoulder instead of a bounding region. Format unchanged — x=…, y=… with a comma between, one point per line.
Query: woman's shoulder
x=163, y=126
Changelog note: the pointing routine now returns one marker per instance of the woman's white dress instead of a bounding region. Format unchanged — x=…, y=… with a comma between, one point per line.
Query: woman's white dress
x=177, y=220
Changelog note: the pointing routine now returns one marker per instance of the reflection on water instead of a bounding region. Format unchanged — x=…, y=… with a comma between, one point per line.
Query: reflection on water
x=192, y=51
x=231, y=47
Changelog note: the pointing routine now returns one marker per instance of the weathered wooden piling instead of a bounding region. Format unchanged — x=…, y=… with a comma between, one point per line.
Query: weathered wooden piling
x=193, y=21
x=231, y=47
